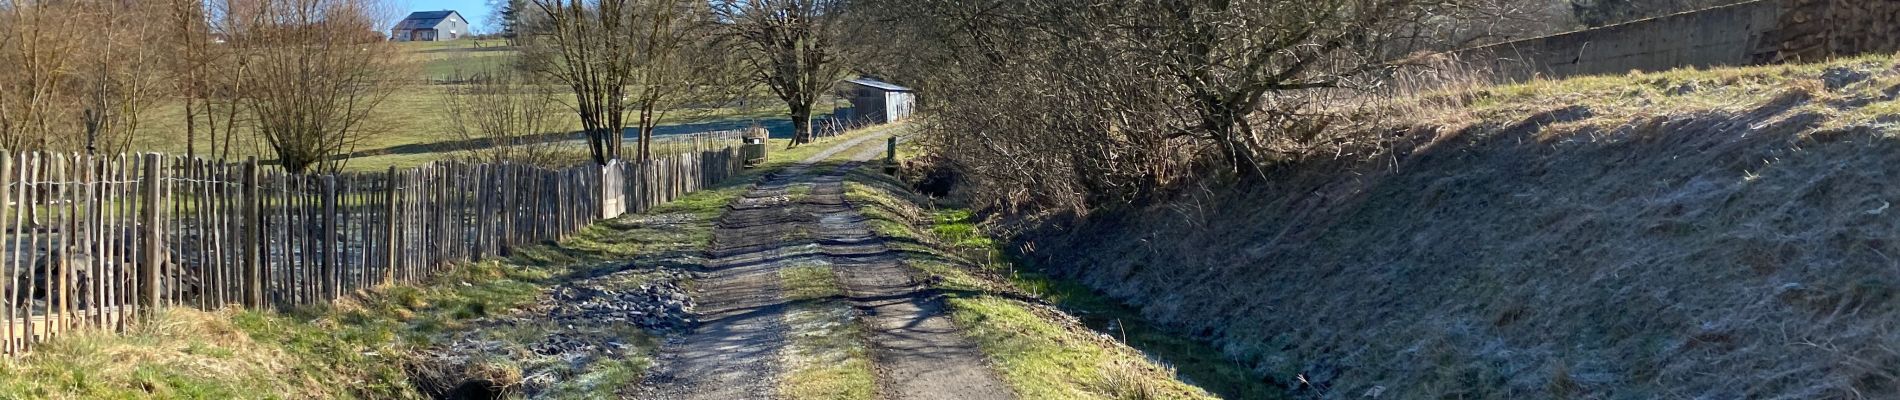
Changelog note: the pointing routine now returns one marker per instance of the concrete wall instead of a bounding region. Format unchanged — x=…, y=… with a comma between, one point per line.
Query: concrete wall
x=1817, y=29
x=1757, y=32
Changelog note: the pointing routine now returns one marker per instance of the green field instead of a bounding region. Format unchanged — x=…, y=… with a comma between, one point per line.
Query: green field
x=415, y=115
x=452, y=59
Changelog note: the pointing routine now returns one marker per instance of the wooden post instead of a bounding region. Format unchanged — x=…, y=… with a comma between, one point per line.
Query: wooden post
x=30, y=178
x=505, y=227
x=253, y=263
x=332, y=280
x=11, y=270
x=63, y=264
x=389, y=228
x=151, y=252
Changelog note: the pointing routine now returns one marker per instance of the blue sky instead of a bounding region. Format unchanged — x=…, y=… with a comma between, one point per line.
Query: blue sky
x=475, y=10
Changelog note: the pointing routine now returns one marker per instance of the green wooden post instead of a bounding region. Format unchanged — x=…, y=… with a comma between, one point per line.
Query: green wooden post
x=890, y=155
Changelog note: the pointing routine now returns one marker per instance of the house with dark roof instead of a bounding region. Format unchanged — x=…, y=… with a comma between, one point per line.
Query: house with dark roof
x=876, y=102
x=430, y=26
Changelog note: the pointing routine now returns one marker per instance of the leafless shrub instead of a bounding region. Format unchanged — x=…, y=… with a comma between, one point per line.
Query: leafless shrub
x=204, y=75
x=69, y=86
x=502, y=117
x=646, y=57
x=1056, y=103
x=316, y=71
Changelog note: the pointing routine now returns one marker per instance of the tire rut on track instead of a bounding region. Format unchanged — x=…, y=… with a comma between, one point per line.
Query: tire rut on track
x=737, y=350
x=917, y=350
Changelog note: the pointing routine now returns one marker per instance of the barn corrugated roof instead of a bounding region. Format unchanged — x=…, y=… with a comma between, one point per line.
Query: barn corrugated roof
x=424, y=19
x=880, y=85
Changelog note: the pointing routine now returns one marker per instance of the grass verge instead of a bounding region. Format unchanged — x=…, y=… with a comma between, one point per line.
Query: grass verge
x=1023, y=320
x=829, y=357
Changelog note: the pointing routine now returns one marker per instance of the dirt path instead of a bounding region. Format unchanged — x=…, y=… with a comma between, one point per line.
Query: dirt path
x=736, y=352
x=917, y=351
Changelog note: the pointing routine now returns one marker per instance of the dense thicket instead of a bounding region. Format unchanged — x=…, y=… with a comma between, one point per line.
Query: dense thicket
x=1073, y=104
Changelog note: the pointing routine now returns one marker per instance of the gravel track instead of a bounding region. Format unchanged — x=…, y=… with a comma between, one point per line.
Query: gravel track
x=737, y=350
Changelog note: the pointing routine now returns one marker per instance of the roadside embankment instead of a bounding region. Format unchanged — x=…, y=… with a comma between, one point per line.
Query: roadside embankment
x=1046, y=338
x=1701, y=234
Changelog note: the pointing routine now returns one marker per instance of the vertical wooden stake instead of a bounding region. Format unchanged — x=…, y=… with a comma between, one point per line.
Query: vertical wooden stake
x=253, y=235
x=11, y=270
x=149, y=258
x=331, y=284
x=389, y=227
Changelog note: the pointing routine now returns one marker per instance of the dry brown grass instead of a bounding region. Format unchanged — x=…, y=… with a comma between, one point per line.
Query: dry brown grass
x=1600, y=237
x=181, y=353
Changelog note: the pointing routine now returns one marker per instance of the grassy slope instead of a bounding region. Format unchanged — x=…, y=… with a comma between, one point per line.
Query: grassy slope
x=1695, y=233
x=410, y=115
x=1041, y=352
x=356, y=349
x=414, y=114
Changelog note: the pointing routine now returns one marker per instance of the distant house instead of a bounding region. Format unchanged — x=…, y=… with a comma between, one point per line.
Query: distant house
x=876, y=102
x=430, y=26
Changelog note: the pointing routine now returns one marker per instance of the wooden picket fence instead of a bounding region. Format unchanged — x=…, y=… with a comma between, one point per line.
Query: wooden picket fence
x=96, y=242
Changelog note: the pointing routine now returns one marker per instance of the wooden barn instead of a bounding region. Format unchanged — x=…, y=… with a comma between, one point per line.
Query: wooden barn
x=430, y=26
x=876, y=102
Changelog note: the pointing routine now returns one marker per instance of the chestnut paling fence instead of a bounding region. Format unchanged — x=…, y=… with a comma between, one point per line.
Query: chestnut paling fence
x=95, y=242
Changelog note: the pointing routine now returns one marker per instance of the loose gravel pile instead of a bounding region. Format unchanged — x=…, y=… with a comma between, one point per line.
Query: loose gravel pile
x=569, y=330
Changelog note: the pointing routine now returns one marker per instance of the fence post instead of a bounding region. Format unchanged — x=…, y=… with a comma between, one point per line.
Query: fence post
x=253, y=236
x=149, y=261
x=389, y=228
x=331, y=278
x=12, y=270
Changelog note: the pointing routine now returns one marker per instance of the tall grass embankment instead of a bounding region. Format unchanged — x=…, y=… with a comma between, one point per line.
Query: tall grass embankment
x=1726, y=233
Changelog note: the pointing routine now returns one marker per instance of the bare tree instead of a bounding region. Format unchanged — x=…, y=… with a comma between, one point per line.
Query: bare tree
x=74, y=86
x=586, y=46
x=791, y=47
x=678, y=66
x=315, y=71
x=503, y=117
x=118, y=84
x=204, y=75
x=1073, y=104
x=37, y=52
x=620, y=57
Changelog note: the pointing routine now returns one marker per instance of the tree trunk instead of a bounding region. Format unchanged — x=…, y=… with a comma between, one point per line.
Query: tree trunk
x=801, y=124
x=646, y=133
x=597, y=141
x=191, y=128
